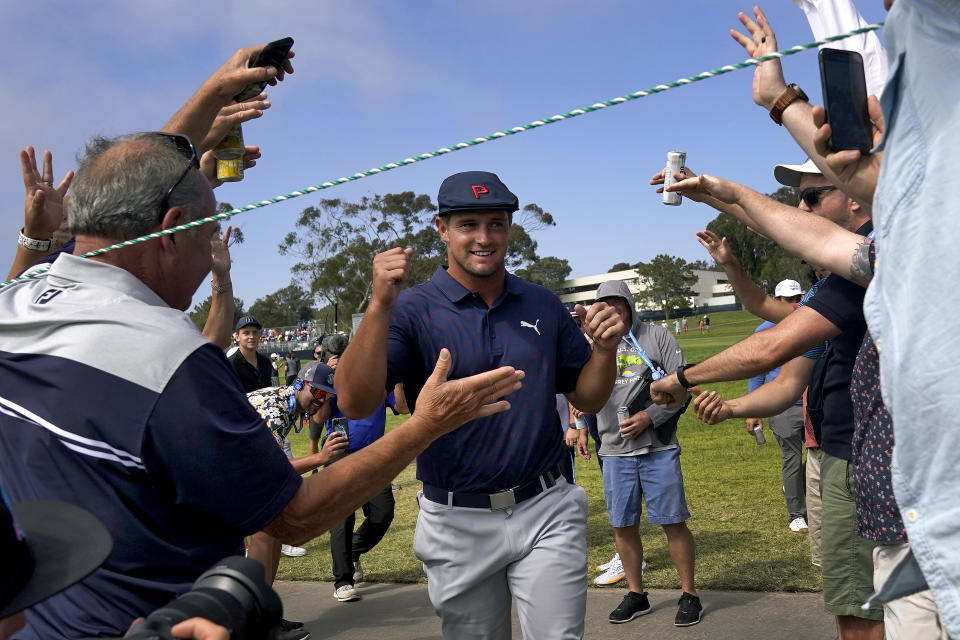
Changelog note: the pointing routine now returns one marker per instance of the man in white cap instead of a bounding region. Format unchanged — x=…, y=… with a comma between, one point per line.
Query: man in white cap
x=787, y=427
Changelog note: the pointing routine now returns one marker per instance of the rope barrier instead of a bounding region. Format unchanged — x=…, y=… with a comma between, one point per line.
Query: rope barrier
x=469, y=143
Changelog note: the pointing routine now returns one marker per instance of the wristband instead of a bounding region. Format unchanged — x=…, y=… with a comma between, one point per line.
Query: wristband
x=33, y=244
x=788, y=97
x=682, y=379
x=220, y=288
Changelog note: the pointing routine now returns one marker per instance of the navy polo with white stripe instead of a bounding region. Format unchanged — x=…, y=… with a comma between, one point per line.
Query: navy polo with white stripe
x=528, y=328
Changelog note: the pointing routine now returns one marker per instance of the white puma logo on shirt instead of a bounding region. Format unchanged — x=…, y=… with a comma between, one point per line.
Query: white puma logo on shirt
x=524, y=323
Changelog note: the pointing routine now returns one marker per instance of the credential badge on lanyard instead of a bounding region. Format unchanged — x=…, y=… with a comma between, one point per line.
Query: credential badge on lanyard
x=654, y=371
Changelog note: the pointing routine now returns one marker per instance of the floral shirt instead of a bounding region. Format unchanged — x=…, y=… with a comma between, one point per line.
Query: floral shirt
x=277, y=407
x=878, y=517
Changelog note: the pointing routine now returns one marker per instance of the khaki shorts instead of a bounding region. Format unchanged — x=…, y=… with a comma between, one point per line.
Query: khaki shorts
x=847, y=558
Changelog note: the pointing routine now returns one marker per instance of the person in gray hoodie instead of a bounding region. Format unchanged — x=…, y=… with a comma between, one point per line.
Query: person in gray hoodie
x=642, y=459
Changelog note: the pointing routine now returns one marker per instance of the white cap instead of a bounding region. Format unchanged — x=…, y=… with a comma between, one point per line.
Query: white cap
x=790, y=174
x=274, y=356
x=788, y=289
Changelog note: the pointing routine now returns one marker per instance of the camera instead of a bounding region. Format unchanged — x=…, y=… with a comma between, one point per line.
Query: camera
x=232, y=594
x=334, y=344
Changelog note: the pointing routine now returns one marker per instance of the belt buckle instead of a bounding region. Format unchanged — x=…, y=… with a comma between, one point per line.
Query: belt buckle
x=502, y=500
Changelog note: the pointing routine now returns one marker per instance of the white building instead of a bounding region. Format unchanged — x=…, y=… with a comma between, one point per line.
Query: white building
x=713, y=289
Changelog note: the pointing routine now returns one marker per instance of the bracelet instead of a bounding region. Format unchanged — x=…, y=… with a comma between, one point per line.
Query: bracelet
x=681, y=378
x=33, y=244
x=220, y=288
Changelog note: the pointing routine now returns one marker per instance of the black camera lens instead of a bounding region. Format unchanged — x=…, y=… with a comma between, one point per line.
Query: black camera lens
x=233, y=594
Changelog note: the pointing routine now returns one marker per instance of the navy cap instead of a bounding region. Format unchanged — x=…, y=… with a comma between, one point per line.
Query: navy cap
x=246, y=320
x=317, y=375
x=475, y=191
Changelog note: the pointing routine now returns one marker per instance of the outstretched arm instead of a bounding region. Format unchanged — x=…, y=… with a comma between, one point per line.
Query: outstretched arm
x=196, y=117
x=817, y=240
x=754, y=299
x=771, y=399
x=217, y=328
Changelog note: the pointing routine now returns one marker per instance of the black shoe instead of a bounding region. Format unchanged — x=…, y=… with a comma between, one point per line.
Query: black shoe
x=690, y=611
x=292, y=631
x=633, y=606
x=290, y=625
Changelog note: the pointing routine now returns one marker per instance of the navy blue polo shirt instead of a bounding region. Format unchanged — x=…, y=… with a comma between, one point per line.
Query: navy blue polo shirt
x=841, y=302
x=527, y=327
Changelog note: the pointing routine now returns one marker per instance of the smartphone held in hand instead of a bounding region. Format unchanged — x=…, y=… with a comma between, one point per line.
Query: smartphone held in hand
x=845, y=100
x=675, y=161
x=340, y=425
x=272, y=55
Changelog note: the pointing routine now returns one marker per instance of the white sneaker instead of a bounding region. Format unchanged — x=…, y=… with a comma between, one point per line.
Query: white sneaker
x=606, y=565
x=346, y=593
x=357, y=571
x=612, y=575
x=799, y=525
x=291, y=551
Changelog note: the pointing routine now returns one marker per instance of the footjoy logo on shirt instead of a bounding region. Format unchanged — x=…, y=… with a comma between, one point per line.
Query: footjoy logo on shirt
x=47, y=296
x=524, y=323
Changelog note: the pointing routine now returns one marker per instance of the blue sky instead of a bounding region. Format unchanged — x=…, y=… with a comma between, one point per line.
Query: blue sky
x=376, y=82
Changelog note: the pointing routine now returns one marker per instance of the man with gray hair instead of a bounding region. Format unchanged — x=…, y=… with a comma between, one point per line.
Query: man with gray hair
x=111, y=399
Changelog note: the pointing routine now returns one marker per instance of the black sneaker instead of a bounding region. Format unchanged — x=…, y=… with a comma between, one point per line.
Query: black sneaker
x=288, y=625
x=292, y=631
x=690, y=611
x=633, y=606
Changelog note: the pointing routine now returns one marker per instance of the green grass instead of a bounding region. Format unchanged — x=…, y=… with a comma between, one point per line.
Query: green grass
x=739, y=518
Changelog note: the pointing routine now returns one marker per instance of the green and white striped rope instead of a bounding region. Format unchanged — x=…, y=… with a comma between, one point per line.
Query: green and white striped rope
x=470, y=143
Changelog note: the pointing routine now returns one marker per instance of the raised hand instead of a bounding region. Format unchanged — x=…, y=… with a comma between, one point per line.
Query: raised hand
x=43, y=205
x=857, y=172
x=668, y=391
x=390, y=272
x=443, y=405
x=236, y=73
x=768, y=82
x=230, y=116
x=220, y=253
x=602, y=324
x=716, y=247
x=333, y=448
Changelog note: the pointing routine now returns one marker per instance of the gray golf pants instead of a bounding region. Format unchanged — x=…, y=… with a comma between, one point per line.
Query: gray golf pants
x=476, y=559
x=788, y=429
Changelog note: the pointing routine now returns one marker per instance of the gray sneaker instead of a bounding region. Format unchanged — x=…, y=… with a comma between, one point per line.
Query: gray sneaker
x=346, y=593
x=633, y=606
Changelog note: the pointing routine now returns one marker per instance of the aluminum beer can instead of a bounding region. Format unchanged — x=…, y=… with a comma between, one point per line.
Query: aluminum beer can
x=758, y=434
x=622, y=414
x=675, y=160
x=231, y=147
x=230, y=170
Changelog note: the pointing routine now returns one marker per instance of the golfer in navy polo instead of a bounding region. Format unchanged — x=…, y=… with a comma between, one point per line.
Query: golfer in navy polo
x=497, y=516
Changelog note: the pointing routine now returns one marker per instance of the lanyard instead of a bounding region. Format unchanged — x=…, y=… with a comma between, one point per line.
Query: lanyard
x=656, y=373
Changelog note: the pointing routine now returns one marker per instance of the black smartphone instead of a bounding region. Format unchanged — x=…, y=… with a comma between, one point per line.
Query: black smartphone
x=845, y=100
x=272, y=55
x=340, y=424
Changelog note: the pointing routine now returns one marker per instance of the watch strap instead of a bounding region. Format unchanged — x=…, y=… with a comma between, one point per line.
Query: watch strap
x=33, y=244
x=791, y=94
x=681, y=378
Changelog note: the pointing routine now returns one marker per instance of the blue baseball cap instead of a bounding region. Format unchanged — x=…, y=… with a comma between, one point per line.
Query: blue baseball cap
x=247, y=320
x=475, y=191
x=318, y=375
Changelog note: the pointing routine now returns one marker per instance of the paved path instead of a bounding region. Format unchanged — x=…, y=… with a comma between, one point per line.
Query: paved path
x=403, y=612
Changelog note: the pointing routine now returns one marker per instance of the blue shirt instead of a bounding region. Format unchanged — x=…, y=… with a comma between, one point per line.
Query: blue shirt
x=910, y=305
x=361, y=433
x=527, y=327
x=163, y=447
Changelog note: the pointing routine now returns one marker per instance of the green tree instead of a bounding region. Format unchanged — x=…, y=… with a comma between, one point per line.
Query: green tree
x=666, y=284
x=623, y=266
x=336, y=241
x=202, y=310
x=549, y=272
x=236, y=236
x=284, y=307
x=762, y=260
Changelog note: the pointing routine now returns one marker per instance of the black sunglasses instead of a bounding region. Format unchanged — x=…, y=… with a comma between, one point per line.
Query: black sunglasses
x=185, y=147
x=812, y=195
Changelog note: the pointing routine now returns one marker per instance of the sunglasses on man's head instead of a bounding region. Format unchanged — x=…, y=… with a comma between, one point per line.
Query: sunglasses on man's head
x=185, y=147
x=812, y=195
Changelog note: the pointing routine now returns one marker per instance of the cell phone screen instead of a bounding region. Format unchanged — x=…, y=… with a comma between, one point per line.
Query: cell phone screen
x=845, y=99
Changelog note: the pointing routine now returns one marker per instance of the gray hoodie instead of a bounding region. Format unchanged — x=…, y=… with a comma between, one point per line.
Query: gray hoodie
x=660, y=347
